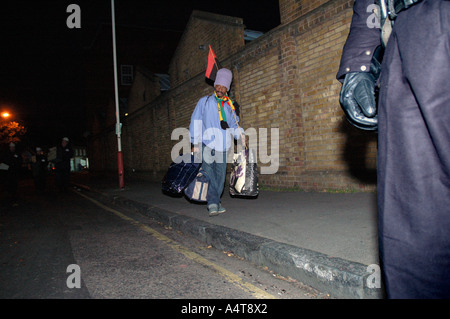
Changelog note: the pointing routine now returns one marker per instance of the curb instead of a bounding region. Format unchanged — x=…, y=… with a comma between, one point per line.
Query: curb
x=340, y=278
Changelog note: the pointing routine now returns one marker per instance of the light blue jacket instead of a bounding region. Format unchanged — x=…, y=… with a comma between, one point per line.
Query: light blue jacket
x=205, y=125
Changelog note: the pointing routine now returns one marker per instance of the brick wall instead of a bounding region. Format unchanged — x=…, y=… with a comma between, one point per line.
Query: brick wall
x=224, y=34
x=145, y=88
x=335, y=152
x=293, y=9
x=285, y=80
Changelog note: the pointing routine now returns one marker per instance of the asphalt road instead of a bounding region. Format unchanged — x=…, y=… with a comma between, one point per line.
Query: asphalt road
x=60, y=246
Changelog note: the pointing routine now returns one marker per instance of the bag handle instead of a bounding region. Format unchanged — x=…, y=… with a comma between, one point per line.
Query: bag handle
x=234, y=115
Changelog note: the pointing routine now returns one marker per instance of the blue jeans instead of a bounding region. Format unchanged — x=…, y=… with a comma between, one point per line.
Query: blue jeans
x=215, y=165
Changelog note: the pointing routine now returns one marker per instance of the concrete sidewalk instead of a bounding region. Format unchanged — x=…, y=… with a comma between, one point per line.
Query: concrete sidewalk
x=325, y=240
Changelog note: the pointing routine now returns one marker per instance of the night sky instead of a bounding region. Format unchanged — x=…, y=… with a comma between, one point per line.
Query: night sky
x=41, y=73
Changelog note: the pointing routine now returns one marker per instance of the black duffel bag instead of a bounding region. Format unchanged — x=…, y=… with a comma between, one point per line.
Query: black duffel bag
x=181, y=173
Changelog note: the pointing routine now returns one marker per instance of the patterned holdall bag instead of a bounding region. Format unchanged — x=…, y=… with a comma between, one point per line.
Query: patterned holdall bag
x=197, y=190
x=244, y=174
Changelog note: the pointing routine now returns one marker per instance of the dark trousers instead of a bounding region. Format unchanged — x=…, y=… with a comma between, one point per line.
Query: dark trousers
x=414, y=154
x=40, y=180
x=11, y=184
x=62, y=178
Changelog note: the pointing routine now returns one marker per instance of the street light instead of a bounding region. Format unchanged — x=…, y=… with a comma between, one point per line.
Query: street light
x=5, y=115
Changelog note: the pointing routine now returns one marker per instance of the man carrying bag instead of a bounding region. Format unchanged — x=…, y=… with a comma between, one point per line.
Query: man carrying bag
x=209, y=135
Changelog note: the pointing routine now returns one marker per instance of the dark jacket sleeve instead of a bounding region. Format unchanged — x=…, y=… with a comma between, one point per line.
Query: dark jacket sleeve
x=361, y=42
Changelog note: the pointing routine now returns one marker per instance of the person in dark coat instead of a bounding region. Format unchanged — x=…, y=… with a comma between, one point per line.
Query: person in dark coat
x=39, y=169
x=412, y=118
x=64, y=153
x=13, y=161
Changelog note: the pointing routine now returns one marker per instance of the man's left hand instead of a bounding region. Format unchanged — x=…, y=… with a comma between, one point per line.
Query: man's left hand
x=357, y=99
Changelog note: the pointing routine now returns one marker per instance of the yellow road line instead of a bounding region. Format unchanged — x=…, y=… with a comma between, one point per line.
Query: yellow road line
x=229, y=276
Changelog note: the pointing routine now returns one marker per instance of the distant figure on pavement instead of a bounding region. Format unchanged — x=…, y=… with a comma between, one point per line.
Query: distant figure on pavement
x=39, y=169
x=11, y=164
x=64, y=153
